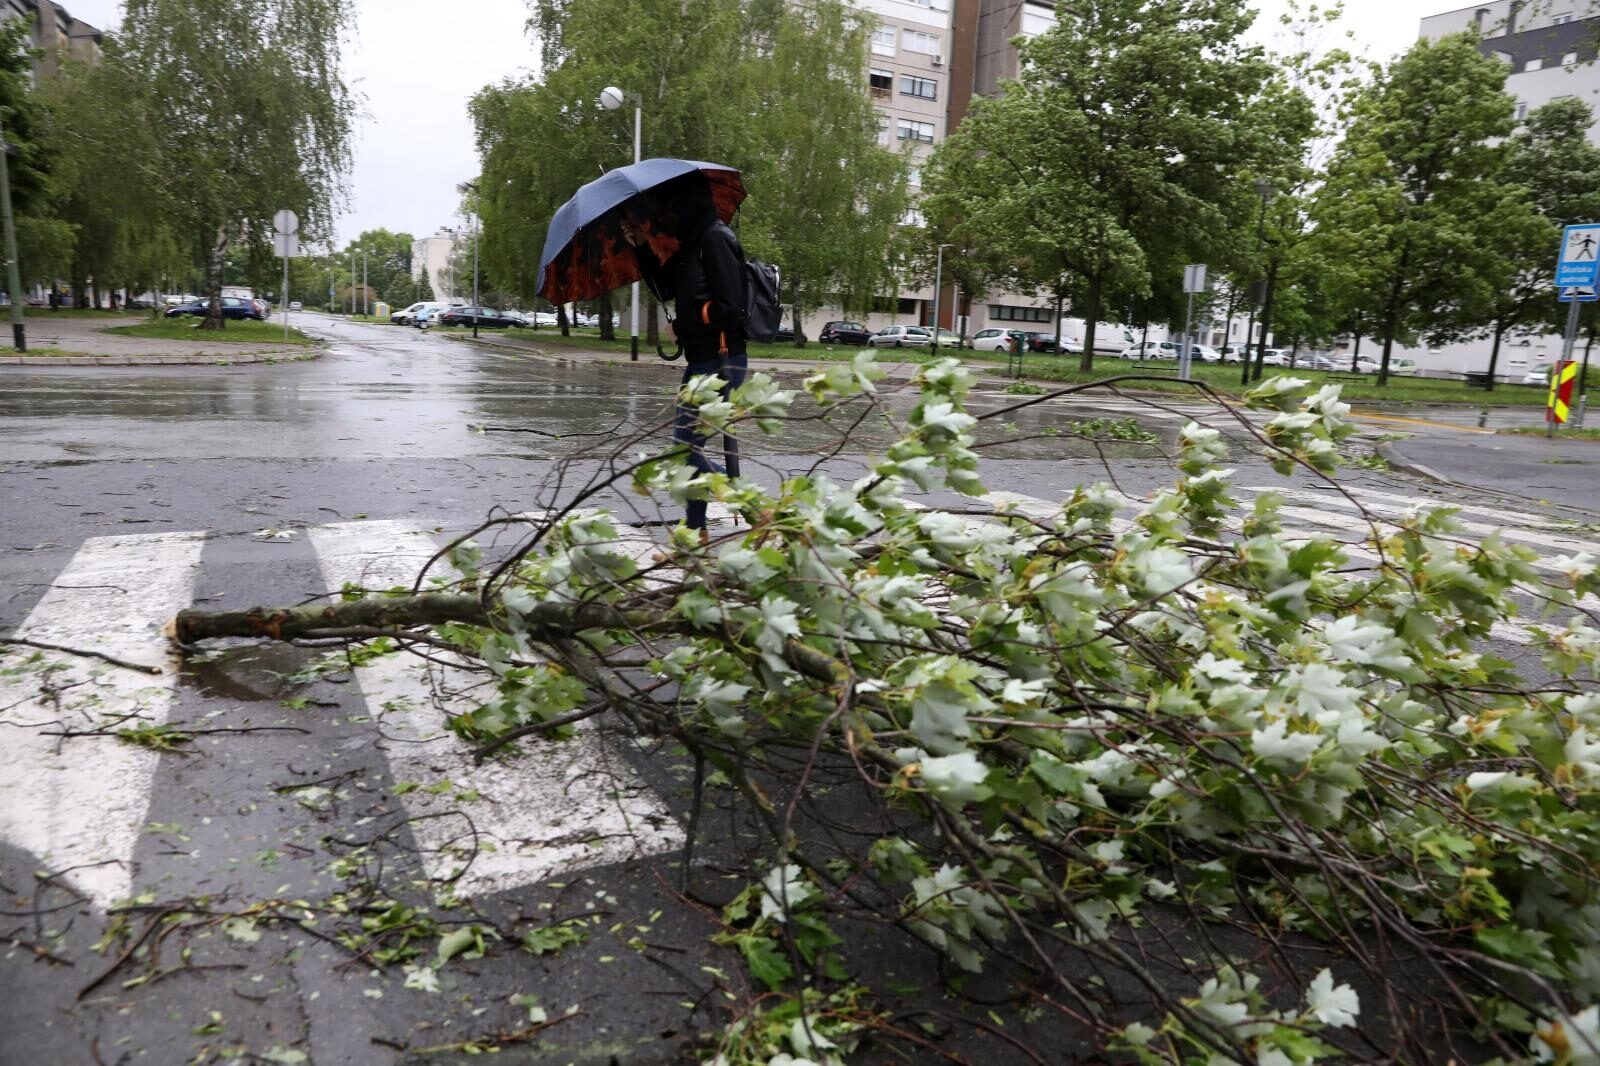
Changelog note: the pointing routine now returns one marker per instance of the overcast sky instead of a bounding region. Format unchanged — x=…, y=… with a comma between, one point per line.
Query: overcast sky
x=416, y=66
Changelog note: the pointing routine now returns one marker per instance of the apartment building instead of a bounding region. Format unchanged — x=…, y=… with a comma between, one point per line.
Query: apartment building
x=926, y=60
x=1548, y=46
x=55, y=32
x=431, y=255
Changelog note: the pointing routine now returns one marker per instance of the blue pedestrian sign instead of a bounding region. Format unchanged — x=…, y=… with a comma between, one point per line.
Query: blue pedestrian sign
x=1578, y=264
x=1579, y=294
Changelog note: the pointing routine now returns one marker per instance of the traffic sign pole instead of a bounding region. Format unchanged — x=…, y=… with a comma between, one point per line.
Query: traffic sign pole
x=1566, y=357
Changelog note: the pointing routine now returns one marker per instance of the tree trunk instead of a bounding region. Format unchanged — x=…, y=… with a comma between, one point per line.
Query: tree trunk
x=608, y=325
x=1355, y=356
x=214, y=257
x=1266, y=317
x=1494, y=355
x=562, y=322
x=1091, y=314
x=1060, y=340
x=1388, y=346
x=798, y=322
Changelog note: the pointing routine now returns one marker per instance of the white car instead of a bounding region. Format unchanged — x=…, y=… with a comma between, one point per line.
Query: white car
x=1406, y=368
x=1539, y=375
x=998, y=340
x=1205, y=353
x=899, y=337
x=1152, y=350
x=409, y=315
x=1275, y=357
x=294, y=305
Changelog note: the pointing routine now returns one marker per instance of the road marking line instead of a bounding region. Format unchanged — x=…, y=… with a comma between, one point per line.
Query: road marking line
x=557, y=806
x=1544, y=522
x=84, y=800
x=1352, y=511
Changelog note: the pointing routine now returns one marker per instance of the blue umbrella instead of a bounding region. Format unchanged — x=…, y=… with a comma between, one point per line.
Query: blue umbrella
x=584, y=253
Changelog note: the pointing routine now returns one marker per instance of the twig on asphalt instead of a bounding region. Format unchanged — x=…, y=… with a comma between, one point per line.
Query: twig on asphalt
x=86, y=653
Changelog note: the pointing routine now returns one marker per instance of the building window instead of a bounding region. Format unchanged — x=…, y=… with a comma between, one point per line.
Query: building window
x=932, y=5
x=922, y=43
x=912, y=217
x=1532, y=64
x=910, y=85
x=1569, y=59
x=883, y=42
x=1037, y=19
x=1522, y=110
x=882, y=82
x=1008, y=313
x=883, y=131
x=908, y=307
x=916, y=131
x=914, y=176
x=1561, y=19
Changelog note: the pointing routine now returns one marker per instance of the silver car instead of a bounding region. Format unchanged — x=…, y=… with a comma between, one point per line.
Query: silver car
x=900, y=337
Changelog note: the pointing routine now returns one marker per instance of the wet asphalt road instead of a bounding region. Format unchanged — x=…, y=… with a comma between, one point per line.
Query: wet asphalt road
x=378, y=429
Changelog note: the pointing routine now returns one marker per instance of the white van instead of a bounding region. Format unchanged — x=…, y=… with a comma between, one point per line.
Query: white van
x=409, y=315
x=1108, y=336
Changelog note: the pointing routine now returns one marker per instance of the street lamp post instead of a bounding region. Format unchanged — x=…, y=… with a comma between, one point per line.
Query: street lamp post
x=19, y=332
x=938, y=290
x=366, y=300
x=1263, y=189
x=612, y=98
x=464, y=188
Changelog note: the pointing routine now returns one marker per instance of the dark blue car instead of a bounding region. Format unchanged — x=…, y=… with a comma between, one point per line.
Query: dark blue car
x=232, y=307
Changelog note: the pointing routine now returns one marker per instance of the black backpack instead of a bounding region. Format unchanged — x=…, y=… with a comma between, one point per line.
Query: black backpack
x=762, y=311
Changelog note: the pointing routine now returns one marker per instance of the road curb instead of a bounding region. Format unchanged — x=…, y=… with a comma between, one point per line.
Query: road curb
x=1399, y=462
x=217, y=359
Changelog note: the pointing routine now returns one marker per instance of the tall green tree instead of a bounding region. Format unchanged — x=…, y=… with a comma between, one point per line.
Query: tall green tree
x=45, y=242
x=1118, y=148
x=249, y=113
x=1552, y=174
x=825, y=200
x=1401, y=216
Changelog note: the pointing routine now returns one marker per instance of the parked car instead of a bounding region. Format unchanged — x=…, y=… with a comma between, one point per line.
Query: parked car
x=1275, y=357
x=1234, y=353
x=785, y=335
x=900, y=337
x=543, y=318
x=235, y=307
x=294, y=305
x=998, y=340
x=1152, y=350
x=1205, y=353
x=408, y=316
x=263, y=306
x=1041, y=342
x=1539, y=375
x=845, y=333
x=1405, y=368
x=488, y=318
x=949, y=338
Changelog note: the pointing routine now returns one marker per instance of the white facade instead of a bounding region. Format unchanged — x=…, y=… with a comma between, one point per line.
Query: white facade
x=1549, y=47
x=432, y=254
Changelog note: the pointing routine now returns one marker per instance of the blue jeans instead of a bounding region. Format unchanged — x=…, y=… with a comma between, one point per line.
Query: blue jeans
x=733, y=368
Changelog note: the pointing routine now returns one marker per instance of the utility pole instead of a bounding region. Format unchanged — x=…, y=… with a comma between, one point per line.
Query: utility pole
x=19, y=331
x=366, y=302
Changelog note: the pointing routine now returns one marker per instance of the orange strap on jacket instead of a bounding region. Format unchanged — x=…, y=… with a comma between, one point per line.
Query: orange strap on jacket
x=722, y=344
x=705, y=312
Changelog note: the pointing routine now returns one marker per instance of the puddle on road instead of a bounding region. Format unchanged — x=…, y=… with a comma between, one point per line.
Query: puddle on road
x=248, y=671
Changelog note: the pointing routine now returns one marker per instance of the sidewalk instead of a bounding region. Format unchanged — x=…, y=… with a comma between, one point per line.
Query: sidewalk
x=56, y=341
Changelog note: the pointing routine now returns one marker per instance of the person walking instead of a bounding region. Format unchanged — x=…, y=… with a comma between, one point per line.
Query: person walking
x=693, y=261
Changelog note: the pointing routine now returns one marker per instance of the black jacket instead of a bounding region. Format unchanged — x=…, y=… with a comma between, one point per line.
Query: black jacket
x=705, y=282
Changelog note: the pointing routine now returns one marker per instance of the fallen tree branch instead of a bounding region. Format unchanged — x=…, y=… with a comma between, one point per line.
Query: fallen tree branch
x=144, y=668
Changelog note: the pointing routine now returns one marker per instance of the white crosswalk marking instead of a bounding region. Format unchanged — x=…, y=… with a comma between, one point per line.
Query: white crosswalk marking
x=81, y=802
x=555, y=807
x=1348, y=511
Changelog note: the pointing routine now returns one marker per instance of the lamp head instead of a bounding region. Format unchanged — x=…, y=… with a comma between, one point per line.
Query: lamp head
x=611, y=97
x=1263, y=188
